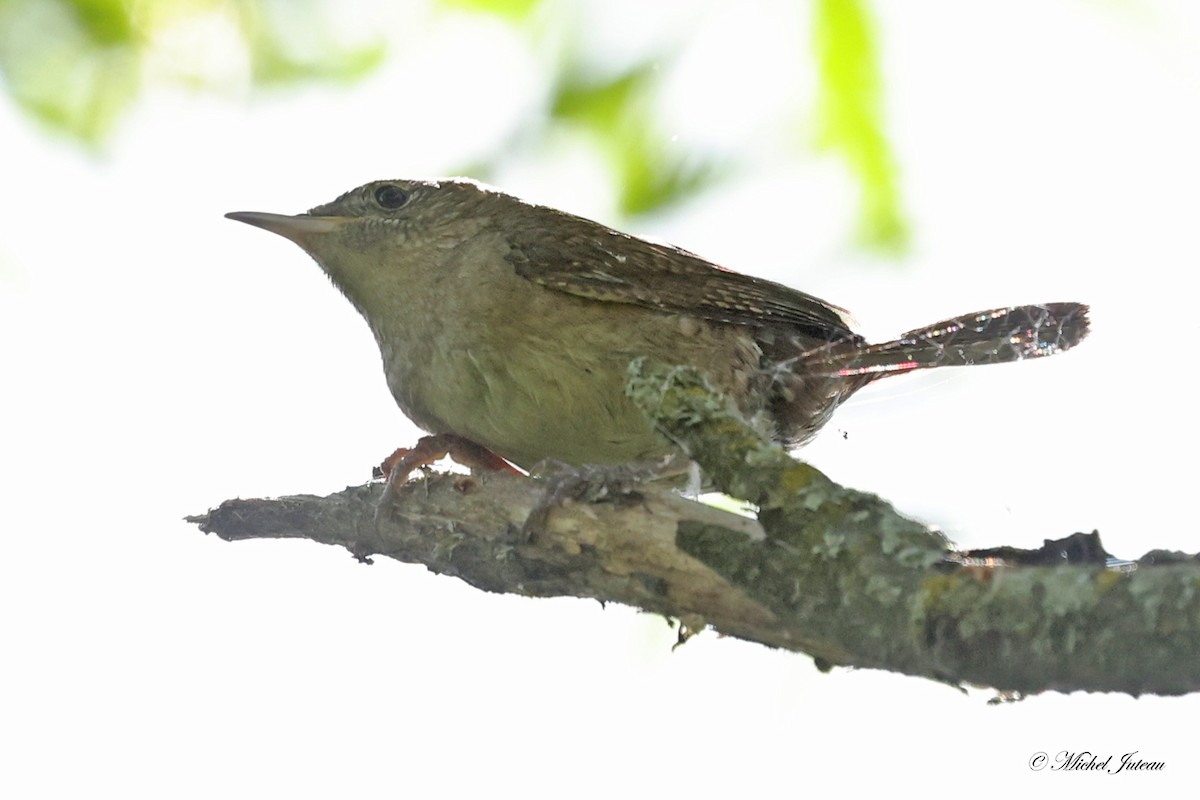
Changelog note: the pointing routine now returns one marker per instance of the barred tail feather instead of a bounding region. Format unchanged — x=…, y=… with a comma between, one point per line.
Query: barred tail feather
x=987, y=337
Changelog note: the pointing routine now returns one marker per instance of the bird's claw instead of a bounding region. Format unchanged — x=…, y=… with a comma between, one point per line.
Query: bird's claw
x=593, y=483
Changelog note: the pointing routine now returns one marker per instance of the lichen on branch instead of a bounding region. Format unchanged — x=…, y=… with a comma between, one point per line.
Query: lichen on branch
x=825, y=570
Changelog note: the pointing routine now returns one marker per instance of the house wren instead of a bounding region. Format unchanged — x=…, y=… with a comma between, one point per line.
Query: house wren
x=508, y=327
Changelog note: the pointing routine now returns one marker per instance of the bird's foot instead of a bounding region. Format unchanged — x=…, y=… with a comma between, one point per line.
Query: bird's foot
x=595, y=483
x=428, y=449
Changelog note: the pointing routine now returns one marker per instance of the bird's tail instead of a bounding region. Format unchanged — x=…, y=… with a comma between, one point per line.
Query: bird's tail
x=986, y=337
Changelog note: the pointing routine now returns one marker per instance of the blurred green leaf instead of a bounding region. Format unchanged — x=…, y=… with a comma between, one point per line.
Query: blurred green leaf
x=619, y=114
x=851, y=119
x=653, y=176
x=516, y=10
x=107, y=22
x=77, y=65
x=289, y=41
x=602, y=104
x=73, y=65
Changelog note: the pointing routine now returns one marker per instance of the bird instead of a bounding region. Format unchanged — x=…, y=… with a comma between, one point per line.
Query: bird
x=506, y=328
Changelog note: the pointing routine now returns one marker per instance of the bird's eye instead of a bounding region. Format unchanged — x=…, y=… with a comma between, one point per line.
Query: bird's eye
x=390, y=196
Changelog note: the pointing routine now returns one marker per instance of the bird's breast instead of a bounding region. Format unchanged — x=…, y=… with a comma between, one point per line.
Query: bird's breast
x=545, y=377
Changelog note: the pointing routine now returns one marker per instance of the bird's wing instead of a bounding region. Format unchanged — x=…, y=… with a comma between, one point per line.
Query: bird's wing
x=588, y=260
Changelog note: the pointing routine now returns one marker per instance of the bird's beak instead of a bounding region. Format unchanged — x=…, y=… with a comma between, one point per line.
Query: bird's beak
x=297, y=228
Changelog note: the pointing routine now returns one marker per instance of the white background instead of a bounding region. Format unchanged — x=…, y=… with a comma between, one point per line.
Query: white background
x=157, y=359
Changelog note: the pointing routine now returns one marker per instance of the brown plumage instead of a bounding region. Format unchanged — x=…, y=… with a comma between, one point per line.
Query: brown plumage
x=511, y=325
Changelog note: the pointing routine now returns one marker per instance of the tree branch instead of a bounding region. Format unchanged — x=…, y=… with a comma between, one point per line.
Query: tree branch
x=838, y=574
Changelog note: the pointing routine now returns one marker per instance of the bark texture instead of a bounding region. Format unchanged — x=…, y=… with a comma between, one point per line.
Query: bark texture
x=825, y=570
